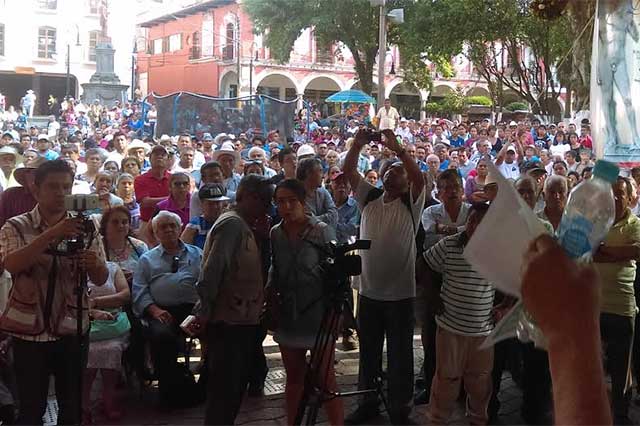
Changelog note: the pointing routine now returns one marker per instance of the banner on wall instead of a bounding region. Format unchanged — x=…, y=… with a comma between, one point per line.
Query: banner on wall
x=615, y=81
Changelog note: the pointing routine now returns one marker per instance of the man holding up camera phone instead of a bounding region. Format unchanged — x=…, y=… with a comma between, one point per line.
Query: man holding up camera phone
x=390, y=219
x=41, y=313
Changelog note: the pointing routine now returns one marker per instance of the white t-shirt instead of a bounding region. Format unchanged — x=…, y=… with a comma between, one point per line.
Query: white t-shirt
x=115, y=156
x=509, y=171
x=559, y=149
x=52, y=128
x=388, y=268
x=198, y=159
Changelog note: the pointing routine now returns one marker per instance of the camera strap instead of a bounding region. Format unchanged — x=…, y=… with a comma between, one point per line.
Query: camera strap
x=51, y=289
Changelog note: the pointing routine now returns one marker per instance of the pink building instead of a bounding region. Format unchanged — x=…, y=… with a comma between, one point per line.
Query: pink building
x=210, y=48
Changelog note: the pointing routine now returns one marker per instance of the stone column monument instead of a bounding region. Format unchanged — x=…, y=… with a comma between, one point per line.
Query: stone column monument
x=104, y=85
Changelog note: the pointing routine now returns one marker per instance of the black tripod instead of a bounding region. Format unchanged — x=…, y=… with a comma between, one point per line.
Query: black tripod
x=80, y=290
x=315, y=393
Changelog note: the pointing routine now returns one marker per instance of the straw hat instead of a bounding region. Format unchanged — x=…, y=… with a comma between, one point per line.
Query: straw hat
x=227, y=148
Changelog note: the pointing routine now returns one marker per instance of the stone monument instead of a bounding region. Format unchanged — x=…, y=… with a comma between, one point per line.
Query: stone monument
x=104, y=85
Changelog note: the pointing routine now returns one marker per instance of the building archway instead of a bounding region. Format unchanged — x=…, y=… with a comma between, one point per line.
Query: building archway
x=228, y=87
x=407, y=100
x=440, y=91
x=317, y=89
x=277, y=85
x=478, y=91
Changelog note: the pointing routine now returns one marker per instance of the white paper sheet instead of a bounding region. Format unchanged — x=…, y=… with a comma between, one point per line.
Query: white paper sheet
x=498, y=244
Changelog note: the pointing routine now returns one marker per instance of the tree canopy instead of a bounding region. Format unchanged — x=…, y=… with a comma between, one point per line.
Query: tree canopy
x=353, y=22
x=488, y=32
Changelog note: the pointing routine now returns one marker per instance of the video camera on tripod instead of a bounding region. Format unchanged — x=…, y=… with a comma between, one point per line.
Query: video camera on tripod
x=79, y=203
x=339, y=264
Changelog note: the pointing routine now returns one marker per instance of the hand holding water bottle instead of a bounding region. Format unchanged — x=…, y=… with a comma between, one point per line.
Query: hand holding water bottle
x=561, y=296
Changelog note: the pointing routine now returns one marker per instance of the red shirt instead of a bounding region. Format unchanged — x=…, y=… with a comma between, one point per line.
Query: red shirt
x=147, y=185
x=15, y=201
x=586, y=142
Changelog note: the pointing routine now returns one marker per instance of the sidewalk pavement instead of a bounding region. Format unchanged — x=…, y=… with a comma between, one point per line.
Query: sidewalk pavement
x=142, y=409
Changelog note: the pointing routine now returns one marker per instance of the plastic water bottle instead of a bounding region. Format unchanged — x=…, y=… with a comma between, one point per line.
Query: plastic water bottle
x=587, y=217
x=589, y=213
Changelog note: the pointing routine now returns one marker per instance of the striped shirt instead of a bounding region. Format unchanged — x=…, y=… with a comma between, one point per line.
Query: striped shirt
x=467, y=297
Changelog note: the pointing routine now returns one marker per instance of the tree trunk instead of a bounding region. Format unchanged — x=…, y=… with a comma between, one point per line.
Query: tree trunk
x=580, y=13
x=364, y=69
x=568, y=105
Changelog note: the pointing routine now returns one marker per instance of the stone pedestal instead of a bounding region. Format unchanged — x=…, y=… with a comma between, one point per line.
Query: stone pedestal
x=104, y=85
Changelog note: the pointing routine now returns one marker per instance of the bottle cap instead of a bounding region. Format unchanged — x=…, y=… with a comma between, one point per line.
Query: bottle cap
x=606, y=170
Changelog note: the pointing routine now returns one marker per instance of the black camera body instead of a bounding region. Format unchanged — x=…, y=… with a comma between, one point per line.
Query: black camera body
x=374, y=136
x=338, y=266
x=70, y=247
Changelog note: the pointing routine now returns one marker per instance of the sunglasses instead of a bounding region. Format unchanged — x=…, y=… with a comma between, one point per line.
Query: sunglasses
x=175, y=264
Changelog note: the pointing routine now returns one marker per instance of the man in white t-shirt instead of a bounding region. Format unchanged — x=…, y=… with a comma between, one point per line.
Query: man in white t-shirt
x=120, y=144
x=507, y=162
x=404, y=131
x=390, y=220
x=388, y=116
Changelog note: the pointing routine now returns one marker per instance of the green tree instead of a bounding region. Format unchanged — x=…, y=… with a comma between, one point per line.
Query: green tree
x=352, y=22
x=488, y=32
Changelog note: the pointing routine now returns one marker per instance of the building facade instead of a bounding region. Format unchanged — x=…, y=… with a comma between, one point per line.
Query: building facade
x=37, y=35
x=208, y=47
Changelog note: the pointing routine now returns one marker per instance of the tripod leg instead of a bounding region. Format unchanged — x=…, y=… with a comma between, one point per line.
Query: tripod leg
x=312, y=415
x=315, y=390
x=310, y=392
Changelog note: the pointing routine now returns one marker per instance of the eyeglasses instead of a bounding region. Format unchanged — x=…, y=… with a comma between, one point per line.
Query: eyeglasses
x=175, y=264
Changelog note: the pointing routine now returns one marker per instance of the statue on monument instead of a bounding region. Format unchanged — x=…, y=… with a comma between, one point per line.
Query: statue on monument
x=104, y=21
x=616, y=22
x=104, y=84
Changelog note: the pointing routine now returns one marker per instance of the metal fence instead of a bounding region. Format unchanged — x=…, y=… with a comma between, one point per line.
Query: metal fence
x=257, y=114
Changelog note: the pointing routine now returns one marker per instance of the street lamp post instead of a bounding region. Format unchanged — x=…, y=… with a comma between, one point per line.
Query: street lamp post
x=68, y=78
x=238, y=53
x=133, y=72
x=382, y=52
x=253, y=46
x=396, y=16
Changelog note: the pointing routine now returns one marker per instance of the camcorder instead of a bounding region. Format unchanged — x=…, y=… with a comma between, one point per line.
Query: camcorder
x=339, y=265
x=373, y=136
x=79, y=203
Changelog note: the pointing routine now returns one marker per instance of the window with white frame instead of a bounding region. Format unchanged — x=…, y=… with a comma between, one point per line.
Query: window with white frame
x=46, y=42
x=93, y=42
x=175, y=42
x=157, y=46
x=94, y=6
x=48, y=4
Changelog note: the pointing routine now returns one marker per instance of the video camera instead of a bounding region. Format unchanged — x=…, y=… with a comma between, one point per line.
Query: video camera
x=373, y=135
x=338, y=265
x=79, y=203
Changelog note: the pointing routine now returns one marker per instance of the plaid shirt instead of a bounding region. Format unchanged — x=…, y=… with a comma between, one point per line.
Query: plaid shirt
x=20, y=232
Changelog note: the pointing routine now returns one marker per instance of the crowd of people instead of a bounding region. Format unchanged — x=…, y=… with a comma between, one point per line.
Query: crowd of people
x=200, y=235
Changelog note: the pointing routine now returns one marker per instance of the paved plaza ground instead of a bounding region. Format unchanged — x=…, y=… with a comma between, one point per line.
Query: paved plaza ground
x=142, y=409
